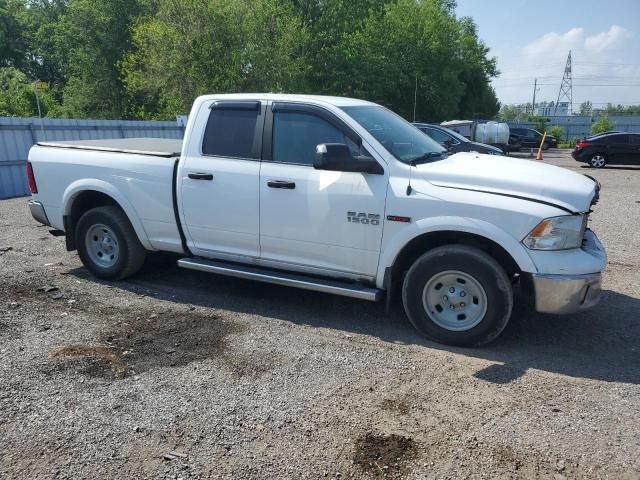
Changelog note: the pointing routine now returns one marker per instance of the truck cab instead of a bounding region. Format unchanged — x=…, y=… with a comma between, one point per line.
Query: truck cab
x=336, y=195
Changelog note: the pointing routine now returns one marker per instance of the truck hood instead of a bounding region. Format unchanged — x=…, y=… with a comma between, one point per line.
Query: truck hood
x=514, y=177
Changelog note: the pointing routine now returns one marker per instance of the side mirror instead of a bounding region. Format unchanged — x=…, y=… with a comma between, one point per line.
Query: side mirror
x=337, y=157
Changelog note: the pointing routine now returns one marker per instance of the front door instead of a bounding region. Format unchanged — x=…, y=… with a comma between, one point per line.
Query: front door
x=219, y=181
x=312, y=220
x=444, y=139
x=619, y=149
x=634, y=146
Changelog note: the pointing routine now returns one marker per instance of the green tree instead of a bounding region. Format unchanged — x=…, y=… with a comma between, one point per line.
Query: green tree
x=13, y=46
x=193, y=47
x=586, y=108
x=150, y=58
x=478, y=99
x=327, y=23
x=513, y=112
x=409, y=43
x=47, y=55
x=539, y=123
x=18, y=96
x=557, y=131
x=90, y=39
x=602, y=125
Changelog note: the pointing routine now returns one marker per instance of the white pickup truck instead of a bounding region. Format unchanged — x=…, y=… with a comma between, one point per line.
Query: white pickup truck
x=330, y=194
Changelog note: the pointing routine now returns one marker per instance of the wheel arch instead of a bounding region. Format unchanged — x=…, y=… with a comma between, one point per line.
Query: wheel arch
x=403, y=251
x=428, y=241
x=85, y=195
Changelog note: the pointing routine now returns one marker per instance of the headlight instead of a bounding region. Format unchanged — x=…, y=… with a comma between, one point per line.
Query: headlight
x=557, y=233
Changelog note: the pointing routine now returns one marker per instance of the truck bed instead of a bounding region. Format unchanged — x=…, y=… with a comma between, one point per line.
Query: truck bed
x=137, y=173
x=156, y=147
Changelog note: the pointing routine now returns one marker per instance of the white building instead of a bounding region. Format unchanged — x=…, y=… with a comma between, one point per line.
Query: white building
x=550, y=110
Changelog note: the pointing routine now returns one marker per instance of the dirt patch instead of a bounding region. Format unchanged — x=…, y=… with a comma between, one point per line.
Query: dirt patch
x=97, y=358
x=399, y=406
x=505, y=456
x=133, y=341
x=246, y=365
x=136, y=338
x=384, y=456
x=168, y=339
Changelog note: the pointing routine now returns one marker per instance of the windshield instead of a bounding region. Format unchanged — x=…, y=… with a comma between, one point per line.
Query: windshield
x=404, y=141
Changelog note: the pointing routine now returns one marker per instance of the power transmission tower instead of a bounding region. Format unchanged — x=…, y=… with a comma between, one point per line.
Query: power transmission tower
x=566, y=87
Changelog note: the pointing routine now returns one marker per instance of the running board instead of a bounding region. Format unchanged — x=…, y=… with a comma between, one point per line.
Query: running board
x=279, y=278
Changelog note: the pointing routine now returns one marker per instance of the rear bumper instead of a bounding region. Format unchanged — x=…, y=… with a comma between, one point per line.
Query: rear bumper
x=563, y=294
x=579, y=156
x=37, y=211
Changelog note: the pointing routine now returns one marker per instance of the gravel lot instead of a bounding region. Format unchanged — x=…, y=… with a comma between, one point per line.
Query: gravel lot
x=177, y=374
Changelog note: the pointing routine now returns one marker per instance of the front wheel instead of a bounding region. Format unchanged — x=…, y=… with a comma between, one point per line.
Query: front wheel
x=458, y=295
x=107, y=244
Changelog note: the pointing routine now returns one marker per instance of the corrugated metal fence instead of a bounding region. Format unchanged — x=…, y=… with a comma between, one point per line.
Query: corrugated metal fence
x=580, y=126
x=17, y=135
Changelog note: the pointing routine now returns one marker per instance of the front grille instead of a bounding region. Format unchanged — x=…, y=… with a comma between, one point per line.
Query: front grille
x=585, y=222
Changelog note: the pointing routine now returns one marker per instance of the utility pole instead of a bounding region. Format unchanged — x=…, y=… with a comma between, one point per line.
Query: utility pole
x=415, y=100
x=40, y=86
x=566, y=88
x=533, y=104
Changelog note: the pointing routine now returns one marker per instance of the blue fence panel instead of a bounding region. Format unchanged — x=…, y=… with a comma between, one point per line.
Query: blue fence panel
x=18, y=135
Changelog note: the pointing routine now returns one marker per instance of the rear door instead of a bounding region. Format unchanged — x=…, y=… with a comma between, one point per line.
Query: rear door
x=219, y=180
x=315, y=221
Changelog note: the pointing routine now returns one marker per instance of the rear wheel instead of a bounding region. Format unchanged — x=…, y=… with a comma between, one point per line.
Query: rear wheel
x=598, y=160
x=107, y=244
x=458, y=295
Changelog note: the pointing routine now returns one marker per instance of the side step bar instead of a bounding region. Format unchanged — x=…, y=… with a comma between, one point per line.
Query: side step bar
x=279, y=278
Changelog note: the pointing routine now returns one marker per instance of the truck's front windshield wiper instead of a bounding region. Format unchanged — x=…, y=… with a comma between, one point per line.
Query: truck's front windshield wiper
x=427, y=157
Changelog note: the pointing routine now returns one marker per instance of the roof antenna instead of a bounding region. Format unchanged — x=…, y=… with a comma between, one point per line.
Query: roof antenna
x=409, y=189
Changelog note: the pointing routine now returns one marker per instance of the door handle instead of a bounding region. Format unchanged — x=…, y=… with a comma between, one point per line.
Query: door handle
x=200, y=176
x=281, y=184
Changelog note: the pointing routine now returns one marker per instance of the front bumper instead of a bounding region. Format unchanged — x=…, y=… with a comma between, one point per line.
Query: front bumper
x=562, y=294
x=37, y=211
x=570, y=293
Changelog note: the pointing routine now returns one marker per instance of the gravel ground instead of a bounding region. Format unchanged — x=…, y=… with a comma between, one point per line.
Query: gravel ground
x=178, y=374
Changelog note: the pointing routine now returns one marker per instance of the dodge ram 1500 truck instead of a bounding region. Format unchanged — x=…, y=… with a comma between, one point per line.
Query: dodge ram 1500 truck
x=335, y=195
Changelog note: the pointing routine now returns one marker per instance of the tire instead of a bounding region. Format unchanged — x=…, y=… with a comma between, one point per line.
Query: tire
x=545, y=146
x=474, y=275
x=107, y=244
x=598, y=160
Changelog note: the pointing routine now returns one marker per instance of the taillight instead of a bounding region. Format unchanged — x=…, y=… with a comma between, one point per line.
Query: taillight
x=32, y=179
x=583, y=144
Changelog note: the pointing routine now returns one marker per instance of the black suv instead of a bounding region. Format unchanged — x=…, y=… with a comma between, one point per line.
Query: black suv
x=454, y=142
x=530, y=138
x=615, y=148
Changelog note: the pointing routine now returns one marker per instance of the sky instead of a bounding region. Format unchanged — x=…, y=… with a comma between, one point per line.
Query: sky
x=532, y=38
